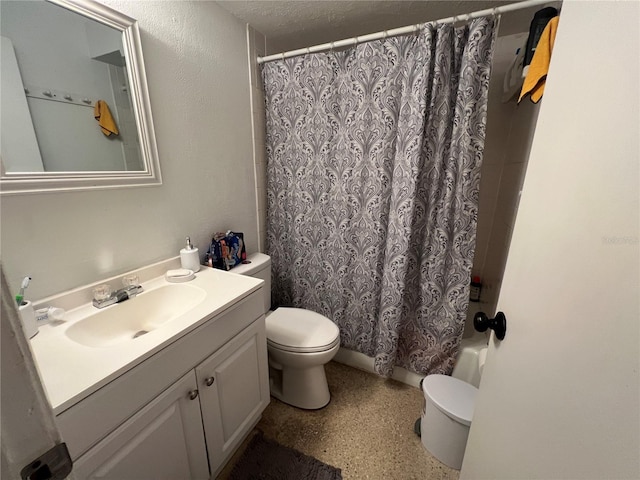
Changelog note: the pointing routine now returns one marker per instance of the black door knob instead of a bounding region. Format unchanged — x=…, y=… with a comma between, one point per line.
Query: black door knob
x=499, y=324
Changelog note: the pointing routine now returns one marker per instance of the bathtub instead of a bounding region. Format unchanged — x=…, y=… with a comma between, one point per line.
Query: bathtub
x=466, y=368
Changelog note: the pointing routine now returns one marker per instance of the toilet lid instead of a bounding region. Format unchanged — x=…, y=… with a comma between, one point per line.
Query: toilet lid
x=453, y=397
x=299, y=330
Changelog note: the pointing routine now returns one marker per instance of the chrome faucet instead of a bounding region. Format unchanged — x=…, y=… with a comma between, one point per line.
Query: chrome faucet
x=103, y=296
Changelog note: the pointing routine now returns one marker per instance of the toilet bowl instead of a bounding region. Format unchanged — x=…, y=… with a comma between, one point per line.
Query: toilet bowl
x=448, y=411
x=299, y=343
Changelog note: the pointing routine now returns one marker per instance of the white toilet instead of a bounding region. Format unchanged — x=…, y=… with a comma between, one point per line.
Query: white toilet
x=448, y=411
x=300, y=342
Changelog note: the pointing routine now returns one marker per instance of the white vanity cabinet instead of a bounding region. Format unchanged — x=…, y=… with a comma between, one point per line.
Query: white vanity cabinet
x=164, y=440
x=182, y=412
x=234, y=390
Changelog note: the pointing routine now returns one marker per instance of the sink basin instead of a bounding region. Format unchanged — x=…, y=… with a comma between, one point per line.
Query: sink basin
x=131, y=319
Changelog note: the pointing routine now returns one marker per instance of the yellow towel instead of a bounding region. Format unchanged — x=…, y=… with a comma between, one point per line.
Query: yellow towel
x=105, y=120
x=537, y=74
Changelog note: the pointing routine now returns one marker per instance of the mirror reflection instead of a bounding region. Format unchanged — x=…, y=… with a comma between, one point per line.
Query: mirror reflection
x=65, y=93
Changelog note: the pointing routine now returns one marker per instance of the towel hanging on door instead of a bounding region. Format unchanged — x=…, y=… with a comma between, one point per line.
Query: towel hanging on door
x=537, y=75
x=538, y=24
x=103, y=115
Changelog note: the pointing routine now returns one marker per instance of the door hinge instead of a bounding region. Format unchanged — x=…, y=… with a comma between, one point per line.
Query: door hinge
x=55, y=464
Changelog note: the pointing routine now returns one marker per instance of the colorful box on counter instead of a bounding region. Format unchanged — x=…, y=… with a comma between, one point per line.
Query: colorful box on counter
x=226, y=250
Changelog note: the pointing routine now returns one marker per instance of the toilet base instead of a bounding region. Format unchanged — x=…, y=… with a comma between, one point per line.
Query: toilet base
x=303, y=388
x=298, y=378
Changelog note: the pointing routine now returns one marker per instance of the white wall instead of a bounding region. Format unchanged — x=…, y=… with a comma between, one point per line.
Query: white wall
x=196, y=60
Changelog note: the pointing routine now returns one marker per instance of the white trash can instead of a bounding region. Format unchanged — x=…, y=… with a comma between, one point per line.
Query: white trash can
x=445, y=422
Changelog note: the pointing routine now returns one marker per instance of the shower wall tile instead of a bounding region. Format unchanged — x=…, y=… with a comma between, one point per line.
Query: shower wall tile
x=499, y=114
x=489, y=189
x=498, y=127
x=483, y=234
x=510, y=187
x=522, y=133
x=510, y=130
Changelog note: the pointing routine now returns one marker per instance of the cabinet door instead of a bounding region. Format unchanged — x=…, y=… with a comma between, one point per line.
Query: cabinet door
x=164, y=440
x=234, y=387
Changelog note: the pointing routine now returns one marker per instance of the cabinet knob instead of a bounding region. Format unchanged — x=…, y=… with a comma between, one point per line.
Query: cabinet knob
x=209, y=381
x=193, y=394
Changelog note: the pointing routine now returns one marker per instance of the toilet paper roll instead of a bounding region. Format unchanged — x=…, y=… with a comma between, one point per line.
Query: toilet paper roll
x=28, y=317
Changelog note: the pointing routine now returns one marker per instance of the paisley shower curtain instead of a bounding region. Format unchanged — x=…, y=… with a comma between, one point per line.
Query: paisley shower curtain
x=373, y=170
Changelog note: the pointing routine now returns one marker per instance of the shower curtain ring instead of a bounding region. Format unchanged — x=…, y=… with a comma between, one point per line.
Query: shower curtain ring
x=332, y=45
x=308, y=51
x=282, y=56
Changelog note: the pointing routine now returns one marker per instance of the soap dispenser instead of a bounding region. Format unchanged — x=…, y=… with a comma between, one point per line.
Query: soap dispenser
x=189, y=257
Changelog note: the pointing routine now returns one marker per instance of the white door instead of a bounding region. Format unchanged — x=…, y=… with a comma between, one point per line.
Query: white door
x=560, y=395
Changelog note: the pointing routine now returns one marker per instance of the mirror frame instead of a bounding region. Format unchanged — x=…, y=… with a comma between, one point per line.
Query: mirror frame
x=45, y=182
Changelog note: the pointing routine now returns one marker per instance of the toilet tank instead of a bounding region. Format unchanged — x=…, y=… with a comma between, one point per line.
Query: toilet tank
x=258, y=265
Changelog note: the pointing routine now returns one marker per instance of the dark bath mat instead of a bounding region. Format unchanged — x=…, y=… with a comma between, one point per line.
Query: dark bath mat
x=265, y=459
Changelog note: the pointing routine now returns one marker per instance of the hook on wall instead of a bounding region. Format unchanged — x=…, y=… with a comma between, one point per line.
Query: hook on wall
x=66, y=97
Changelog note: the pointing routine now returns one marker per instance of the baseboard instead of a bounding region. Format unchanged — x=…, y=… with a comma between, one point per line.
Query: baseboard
x=364, y=362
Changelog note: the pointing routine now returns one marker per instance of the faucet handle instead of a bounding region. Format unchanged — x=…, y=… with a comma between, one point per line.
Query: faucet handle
x=101, y=292
x=131, y=280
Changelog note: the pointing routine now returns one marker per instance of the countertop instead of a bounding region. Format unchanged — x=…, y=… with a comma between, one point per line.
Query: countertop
x=70, y=371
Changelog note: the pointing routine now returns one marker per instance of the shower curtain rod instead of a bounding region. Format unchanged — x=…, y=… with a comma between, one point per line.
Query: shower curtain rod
x=401, y=31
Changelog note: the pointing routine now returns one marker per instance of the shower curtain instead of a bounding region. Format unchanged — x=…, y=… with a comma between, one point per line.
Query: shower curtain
x=373, y=169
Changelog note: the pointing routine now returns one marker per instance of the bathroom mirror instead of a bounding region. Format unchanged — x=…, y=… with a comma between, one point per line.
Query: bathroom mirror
x=59, y=59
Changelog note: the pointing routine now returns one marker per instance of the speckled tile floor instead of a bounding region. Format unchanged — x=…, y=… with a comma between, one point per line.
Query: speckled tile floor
x=366, y=430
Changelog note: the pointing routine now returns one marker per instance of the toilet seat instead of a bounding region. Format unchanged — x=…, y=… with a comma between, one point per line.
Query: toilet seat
x=452, y=396
x=301, y=331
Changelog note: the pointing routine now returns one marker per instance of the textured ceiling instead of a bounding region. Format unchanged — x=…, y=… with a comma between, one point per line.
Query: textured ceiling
x=291, y=24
